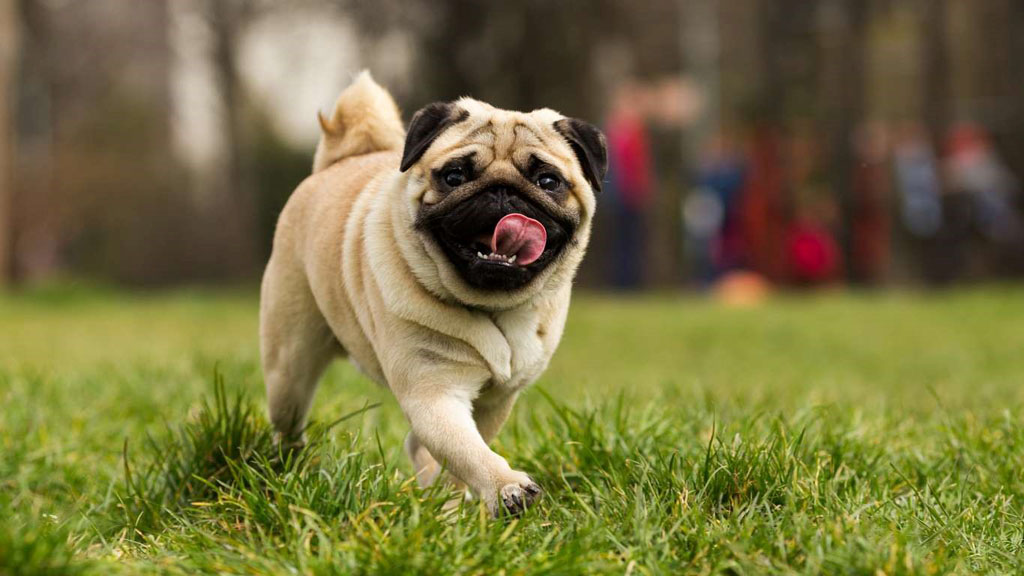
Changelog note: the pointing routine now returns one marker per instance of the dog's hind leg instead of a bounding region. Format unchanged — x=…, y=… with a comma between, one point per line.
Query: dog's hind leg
x=296, y=345
x=426, y=468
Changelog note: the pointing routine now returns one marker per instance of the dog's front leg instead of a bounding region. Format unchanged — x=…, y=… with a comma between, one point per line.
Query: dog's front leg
x=440, y=411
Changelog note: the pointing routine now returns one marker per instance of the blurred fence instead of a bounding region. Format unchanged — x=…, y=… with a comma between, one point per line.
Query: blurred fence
x=806, y=142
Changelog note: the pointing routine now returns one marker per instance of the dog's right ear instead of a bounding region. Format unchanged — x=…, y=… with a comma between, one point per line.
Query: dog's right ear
x=426, y=125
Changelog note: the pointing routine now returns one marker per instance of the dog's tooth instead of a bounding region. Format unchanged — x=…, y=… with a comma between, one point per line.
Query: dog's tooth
x=481, y=255
x=499, y=258
x=512, y=259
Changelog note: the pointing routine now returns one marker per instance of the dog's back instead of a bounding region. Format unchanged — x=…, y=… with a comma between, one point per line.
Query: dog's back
x=362, y=137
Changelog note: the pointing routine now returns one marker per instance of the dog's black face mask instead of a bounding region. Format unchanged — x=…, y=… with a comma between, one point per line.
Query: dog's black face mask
x=493, y=237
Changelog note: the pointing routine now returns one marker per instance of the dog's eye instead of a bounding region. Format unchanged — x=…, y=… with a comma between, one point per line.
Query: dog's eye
x=549, y=182
x=454, y=177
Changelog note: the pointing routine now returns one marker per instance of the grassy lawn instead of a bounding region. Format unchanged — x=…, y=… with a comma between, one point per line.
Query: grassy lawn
x=841, y=433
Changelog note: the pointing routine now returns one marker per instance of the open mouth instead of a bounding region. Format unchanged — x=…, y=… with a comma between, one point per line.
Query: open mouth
x=515, y=237
x=497, y=239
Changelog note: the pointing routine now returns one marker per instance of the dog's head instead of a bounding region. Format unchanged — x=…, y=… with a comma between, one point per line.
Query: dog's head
x=501, y=201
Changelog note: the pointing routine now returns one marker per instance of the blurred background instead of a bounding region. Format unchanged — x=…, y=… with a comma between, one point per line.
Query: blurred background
x=753, y=143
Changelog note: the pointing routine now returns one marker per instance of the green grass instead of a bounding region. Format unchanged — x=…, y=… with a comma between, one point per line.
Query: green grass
x=842, y=433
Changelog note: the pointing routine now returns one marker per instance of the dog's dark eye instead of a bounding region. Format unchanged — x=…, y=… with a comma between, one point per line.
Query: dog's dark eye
x=454, y=177
x=549, y=182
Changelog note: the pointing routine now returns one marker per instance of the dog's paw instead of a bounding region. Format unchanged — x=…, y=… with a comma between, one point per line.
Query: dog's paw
x=289, y=444
x=516, y=498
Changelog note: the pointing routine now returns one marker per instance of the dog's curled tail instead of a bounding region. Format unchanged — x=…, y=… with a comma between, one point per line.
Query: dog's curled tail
x=365, y=119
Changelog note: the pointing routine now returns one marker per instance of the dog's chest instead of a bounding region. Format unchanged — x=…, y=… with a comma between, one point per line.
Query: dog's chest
x=524, y=332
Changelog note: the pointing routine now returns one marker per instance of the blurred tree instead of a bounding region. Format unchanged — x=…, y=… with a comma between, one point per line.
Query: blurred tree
x=994, y=67
x=1014, y=21
x=234, y=208
x=783, y=101
x=8, y=58
x=99, y=192
x=33, y=210
x=700, y=47
x=277, y=169
x=845, y=25
x=936, y=65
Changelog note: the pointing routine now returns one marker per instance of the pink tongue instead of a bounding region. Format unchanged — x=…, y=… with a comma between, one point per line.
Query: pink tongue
x=521, y=236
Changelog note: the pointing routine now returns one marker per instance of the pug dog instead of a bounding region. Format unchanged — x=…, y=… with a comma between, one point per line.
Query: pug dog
x=440, y=261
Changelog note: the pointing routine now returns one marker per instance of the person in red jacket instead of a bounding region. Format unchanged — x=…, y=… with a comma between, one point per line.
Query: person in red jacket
x=631, y=182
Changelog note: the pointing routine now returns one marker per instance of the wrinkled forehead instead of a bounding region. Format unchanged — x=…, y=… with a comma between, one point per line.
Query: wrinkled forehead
x=491, y=135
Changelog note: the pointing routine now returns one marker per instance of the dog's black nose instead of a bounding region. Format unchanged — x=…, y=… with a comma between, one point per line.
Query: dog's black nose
x=502, y=197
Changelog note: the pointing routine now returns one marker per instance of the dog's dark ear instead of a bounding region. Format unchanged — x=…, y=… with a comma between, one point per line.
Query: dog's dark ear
x=426, y=125
x=589, y=145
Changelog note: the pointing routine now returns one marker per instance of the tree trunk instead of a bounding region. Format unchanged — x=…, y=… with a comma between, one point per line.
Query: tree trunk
x=849, y=113
x=936, y=70
x=8, y=60
x=1014, y=96
x=236, y=207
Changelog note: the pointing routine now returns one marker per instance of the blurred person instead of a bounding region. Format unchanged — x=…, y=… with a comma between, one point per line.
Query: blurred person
x=711, y=213
x=974, y=167
x=675, y=102
x=917, y=180
x=762, y=224
x=703, y=215
x=631, y=182
x=812, y=253
x=869, y=225
x=990, y=233
x=920, y=191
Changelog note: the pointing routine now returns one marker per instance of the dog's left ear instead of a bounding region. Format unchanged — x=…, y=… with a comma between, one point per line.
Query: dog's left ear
x=426, y=125
x=590, y=147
